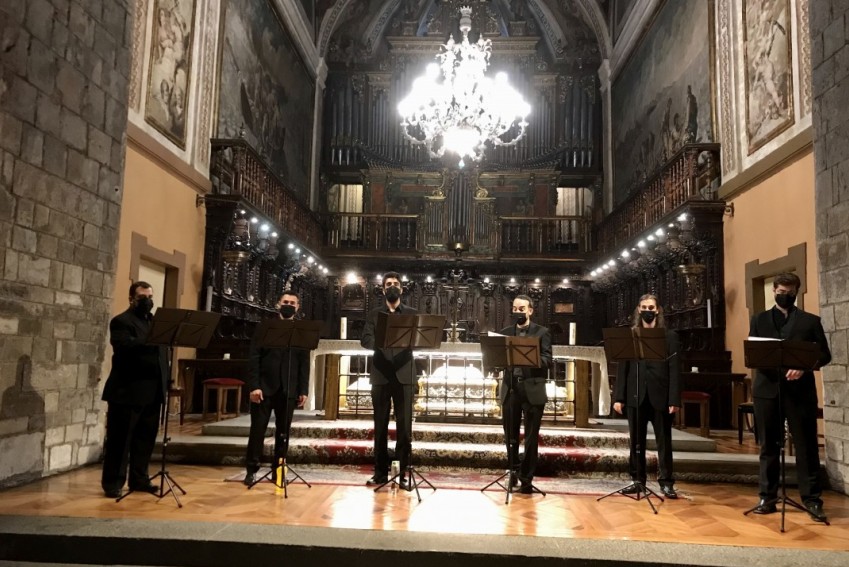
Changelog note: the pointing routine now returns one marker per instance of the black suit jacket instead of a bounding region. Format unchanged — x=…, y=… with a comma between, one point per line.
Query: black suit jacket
x=660, y=380
x=534, y=378
x=139, y=374
x=388, y=362
x=801, y=326
x=273, y=369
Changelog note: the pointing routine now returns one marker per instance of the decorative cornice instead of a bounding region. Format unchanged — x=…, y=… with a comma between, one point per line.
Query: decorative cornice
x=805, y=80
x=138, y=51
x=726, y=88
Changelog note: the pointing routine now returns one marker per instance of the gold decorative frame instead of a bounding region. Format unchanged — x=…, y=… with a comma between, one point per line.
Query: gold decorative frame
x=170, y=71
x=761, y=29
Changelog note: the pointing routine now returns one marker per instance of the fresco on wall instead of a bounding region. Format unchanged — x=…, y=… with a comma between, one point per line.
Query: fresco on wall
x=662, y=96
x=266, y=89
x=769, y=70
x=170, y=68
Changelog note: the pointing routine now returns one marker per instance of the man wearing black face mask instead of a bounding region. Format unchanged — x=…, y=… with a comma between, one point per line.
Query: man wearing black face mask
x=650, y=391
x=134, y=391
x=279, y=380
x=790, y=394
x=524, y=393
x=392, y=376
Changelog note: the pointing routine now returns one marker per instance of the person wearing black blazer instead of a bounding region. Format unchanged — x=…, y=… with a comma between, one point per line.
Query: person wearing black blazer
x=392, y=377
x=656, y=399
x=279, y=380
x=134, y=392
x=523, y=393
x=790, y=394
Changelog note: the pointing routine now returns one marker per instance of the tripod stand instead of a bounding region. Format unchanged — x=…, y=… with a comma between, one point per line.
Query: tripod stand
x=632, y=346
x=778, y=355
x=173, y=328
x=398, y=331
x=289, y=338
x=510, y=353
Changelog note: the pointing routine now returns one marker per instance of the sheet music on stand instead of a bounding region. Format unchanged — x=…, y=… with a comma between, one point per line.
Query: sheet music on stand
x=503, y=351
x=288, y=333
x=408, y=331
x=634, y=343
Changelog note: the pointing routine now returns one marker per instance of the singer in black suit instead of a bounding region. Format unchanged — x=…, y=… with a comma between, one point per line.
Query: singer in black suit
x=279, y=380
x=134, y=392
x=657, y=399
x=392, y=377
x=523, y=393
x=790, y=394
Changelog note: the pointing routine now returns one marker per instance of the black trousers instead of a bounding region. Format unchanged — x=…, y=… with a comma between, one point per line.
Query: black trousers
x=130, y=437
x=383, y=397
x=661, y=421
x=284, y=410
x=800, y=409
x=515, y=406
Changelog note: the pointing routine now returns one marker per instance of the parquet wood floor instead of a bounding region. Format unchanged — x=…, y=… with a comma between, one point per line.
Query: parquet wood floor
x=709, y=513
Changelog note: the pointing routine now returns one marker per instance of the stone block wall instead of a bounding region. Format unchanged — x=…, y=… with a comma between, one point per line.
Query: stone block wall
x=829, y=25
x=64, y=68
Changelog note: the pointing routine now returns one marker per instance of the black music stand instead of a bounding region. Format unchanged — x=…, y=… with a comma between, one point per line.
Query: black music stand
x=409, y=332
x=287, y=334
x=172, y=328
x=635, y=344
x=509, y=352
x=780, y=355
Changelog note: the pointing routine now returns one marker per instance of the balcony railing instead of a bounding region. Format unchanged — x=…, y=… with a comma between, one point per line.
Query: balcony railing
x=691, y=174
x=352, y=232
x=237, y=169
x=544, y=236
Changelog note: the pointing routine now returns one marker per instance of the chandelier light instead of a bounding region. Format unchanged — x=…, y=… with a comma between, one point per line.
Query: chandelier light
x=454, y=107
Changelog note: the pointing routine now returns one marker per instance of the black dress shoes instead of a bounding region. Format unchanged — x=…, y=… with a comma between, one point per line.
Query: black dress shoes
x=149, y=487
x=250, y=479
x=112, y=492
x=766, y=506
x=404, y=483
x=631, y=489
x=814, y=508
x=377, y=480
x=669, y=491
x=527, y=488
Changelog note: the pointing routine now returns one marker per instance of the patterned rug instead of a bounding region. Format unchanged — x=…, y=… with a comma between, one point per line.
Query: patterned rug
x=352, y=475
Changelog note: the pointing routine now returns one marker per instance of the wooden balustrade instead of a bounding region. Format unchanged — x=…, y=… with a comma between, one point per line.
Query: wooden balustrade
x=691, y=174
x=372, y=232
x=544, y=236
x=237, y=169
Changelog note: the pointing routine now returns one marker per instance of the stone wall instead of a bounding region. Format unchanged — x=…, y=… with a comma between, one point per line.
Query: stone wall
x=830, y=61
x=63, y=120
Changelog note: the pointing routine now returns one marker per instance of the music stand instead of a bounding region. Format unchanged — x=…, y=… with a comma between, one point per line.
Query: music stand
x=507, y=353
x=635, y=344
x=286, y=334
x=172, y=328
x=779, y=355
x=400, y=331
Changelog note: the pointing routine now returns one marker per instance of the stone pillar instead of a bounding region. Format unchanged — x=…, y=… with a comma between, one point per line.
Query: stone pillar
x=829, y=52
x=63, y=118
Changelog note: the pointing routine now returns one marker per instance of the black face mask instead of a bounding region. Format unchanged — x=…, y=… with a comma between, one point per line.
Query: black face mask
x=785, y=300
x=143, y=306
x=392, y=294
x=288, y=311
x=520, y=318
x=648, y=316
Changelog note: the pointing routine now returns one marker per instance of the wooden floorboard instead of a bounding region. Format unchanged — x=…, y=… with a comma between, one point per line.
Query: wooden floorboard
x=710, y=513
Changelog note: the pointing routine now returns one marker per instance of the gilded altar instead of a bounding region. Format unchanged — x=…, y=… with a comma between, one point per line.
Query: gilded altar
x=454, y=386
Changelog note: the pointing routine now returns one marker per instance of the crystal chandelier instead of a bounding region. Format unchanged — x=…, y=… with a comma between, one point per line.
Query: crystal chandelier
x=454, y=107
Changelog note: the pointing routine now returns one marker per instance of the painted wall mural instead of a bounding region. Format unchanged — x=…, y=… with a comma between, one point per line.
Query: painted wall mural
x=266, y=90
x=662, y=97
x=769, y=70
x=169, y=75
